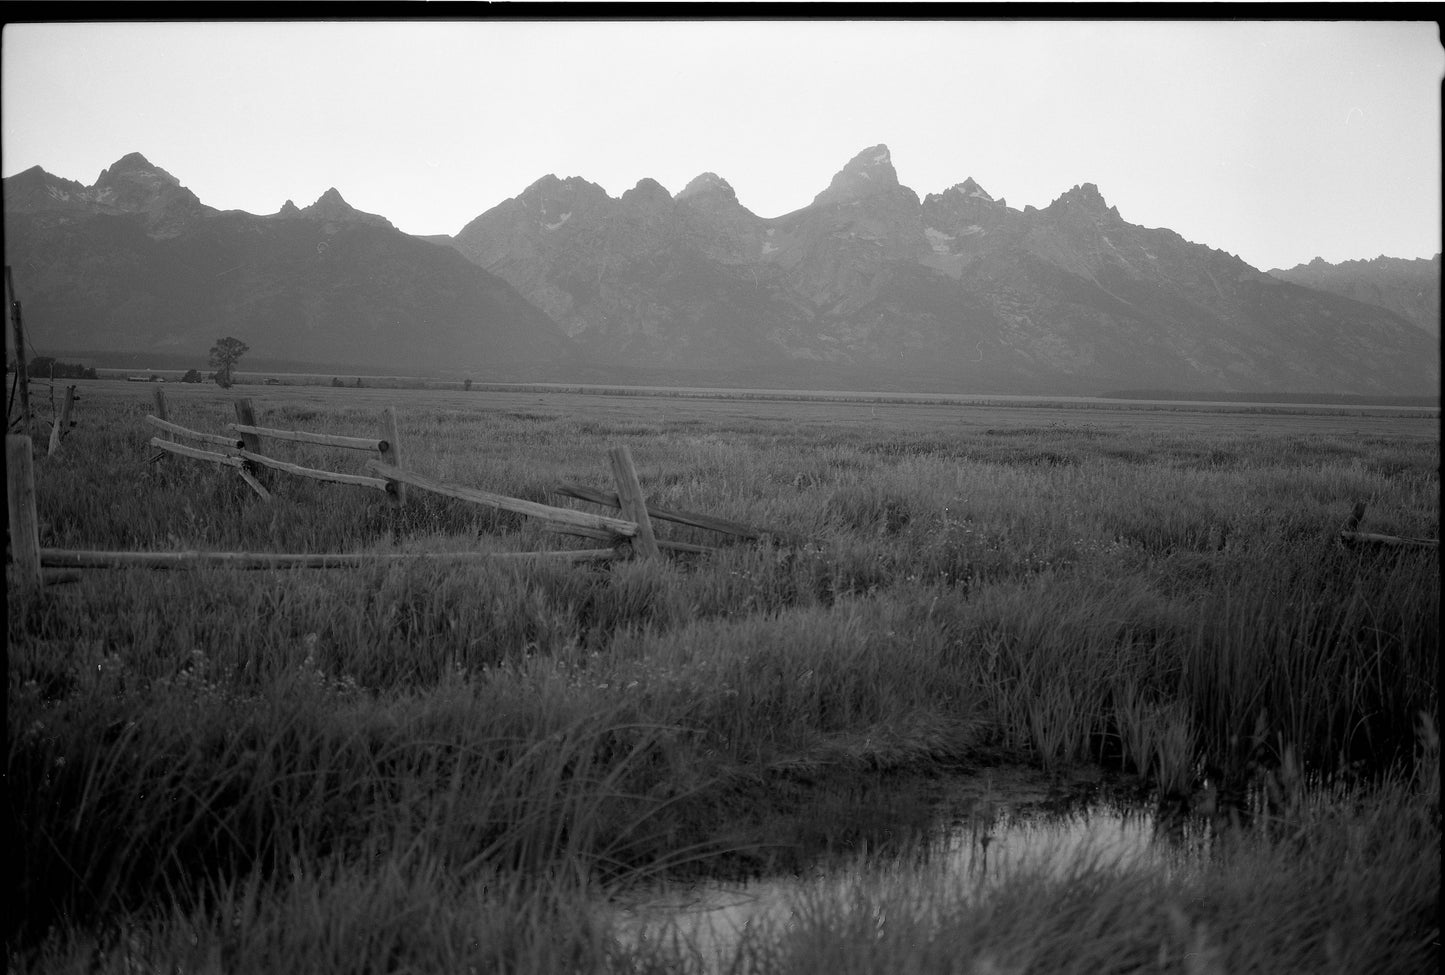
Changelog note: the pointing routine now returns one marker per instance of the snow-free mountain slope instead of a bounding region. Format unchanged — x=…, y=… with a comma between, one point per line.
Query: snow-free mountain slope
x=136, y=263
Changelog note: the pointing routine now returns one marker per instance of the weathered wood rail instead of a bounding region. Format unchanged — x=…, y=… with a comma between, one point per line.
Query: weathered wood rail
x=693, y=519
x=321, y=439
x=176, y=428
x=595, y=526
x=194, y=559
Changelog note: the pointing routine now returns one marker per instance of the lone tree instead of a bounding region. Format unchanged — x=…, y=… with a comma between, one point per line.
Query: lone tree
x=224, y=356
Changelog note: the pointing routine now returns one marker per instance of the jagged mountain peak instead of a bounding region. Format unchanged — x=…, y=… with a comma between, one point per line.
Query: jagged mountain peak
x=36, y=189
x=1084, y=199
x=133, y=184
x=552, y=184
x=137, y=173
x=710, y=184
x=32, y=175
x=968, y=191
x=970, y=188
x=874, y=157
x=332, y=206
x=647, y=190
x=868, y=172
x=134, y=162
x=1086, y=195
x=552, y=201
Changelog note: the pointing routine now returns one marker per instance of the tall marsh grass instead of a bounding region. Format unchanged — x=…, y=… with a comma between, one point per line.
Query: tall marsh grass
x=1163, y=597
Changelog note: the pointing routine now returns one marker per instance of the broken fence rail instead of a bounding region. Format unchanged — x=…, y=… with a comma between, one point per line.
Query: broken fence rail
x=609, y=499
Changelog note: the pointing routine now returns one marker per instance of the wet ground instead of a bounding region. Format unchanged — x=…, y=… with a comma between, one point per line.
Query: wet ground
x=983, y=827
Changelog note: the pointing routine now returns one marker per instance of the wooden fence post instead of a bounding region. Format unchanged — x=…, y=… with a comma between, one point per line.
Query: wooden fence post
x=245, y=416
x=390, y=450
x=1357, y=515
x=22, y=370
x=251, y=473
x=20, y=499
x=161, y=414
x=631, y=502
x=63, y=423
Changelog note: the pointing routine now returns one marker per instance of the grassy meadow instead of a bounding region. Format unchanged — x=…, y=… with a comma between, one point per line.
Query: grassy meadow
x=441, y=766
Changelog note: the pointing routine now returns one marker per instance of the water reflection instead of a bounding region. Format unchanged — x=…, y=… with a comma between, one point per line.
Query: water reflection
x=983, y=844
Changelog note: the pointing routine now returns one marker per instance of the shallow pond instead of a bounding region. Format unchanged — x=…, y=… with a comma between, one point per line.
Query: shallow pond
x=989, y=828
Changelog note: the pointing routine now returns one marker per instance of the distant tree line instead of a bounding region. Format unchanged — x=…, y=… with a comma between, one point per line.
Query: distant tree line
x=1326, y=399
x=41, y=367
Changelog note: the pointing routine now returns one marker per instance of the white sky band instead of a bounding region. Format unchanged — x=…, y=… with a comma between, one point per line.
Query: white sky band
x=1276, y=141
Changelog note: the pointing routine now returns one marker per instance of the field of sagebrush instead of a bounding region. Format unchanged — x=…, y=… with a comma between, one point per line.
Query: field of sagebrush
x=428, y=766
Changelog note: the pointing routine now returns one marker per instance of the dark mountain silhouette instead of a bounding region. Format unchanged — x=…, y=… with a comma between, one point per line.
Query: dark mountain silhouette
x=135, y=263
x=866, y=286
x=1409, y=288
x=956, y=291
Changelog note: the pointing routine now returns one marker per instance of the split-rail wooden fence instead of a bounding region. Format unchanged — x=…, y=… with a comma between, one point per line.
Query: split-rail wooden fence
x=23, y=420
x=629, y=534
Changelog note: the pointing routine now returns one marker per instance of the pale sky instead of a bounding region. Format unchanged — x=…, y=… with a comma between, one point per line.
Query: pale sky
x=1277, y=141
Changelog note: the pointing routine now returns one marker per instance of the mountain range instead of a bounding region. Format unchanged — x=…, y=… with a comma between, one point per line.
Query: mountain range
x=1409, y=288
x=867, y=286
x=136, y=263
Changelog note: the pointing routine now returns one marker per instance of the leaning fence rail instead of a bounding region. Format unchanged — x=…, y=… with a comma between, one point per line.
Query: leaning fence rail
x=692, y=519
x=592, y=526
x=315, y=474
x=179, y=430
x=195, y=453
